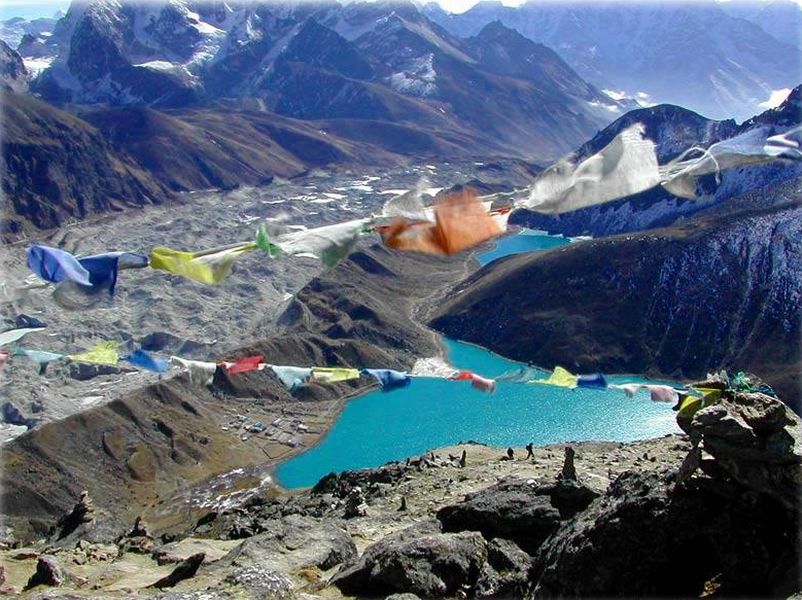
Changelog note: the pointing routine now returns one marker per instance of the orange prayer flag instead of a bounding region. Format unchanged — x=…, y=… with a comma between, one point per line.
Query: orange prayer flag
x=460, y=222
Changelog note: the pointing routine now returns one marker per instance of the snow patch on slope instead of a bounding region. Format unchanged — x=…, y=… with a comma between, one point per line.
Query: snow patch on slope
x=417, y=79
x=776, y=98
x=35, y=66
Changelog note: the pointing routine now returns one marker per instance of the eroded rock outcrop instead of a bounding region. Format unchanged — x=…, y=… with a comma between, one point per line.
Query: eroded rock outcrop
x=48, y=573
x=185, y=570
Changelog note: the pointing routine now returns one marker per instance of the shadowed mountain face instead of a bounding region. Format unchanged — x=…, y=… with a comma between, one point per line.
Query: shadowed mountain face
x=13, y=75
x=693, y=54
x=722, y=292
x=782, y=19
x=56, y=166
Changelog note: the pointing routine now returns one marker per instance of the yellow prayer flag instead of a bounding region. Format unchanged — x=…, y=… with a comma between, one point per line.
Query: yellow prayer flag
x=335, y=374
x=691, y=404
x=560, y=378
x=209, y=267
x=102, y=353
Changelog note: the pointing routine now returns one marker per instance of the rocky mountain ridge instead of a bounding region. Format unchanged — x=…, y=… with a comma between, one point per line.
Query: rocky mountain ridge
x=675, y=129
x=374, y=61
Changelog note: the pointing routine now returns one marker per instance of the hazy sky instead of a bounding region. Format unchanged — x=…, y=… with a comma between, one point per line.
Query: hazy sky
x=42, y=8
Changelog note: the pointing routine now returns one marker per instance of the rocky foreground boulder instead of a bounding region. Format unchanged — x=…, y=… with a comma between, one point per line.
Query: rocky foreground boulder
x=427, y=564
x=753, y=439
x=513, y=509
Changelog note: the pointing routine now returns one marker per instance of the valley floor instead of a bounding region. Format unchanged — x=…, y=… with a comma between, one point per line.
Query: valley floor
x=177, y=316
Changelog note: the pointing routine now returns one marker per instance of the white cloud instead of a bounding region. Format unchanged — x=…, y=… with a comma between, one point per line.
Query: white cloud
x=615, y=95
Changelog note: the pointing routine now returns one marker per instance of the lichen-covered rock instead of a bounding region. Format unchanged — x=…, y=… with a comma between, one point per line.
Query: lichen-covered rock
x=513, y=509
x=506, y=572
x=262, y=582
x=295, y=542
x=429, y=565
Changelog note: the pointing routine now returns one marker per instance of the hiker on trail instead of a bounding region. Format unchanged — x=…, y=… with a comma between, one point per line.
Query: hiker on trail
x=510, y=454
x=529, y=452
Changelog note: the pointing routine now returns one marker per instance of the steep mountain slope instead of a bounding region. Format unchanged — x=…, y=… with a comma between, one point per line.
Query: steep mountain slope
x=505, y=51
x=674, y=129
x=720, y=292
x=380, y=61
x=56, y=166
x=692, y=54
x=197, y=150
x=13, y=74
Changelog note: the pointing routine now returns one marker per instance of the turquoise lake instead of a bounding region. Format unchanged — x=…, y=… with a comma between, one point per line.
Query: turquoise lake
x=380, y=427
x=526, y=241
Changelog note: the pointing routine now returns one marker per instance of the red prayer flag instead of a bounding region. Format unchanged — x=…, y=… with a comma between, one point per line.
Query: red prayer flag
x=245, y=365
x=462, y=376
